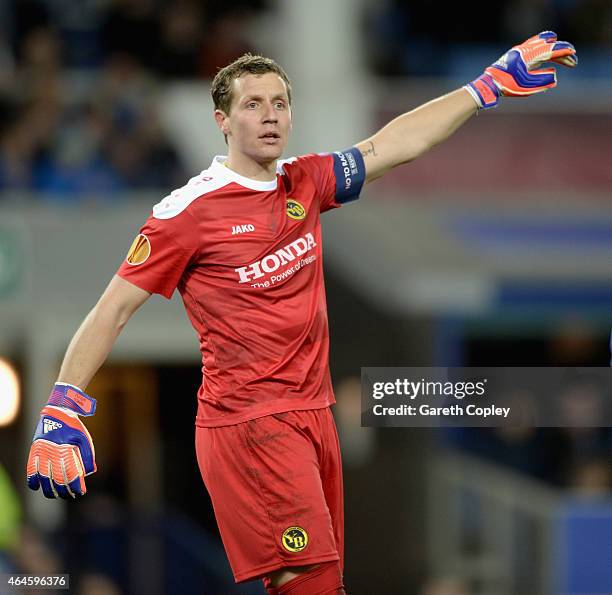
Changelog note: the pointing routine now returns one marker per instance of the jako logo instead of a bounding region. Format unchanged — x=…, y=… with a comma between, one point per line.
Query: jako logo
x=242, y=228
x=271, y=262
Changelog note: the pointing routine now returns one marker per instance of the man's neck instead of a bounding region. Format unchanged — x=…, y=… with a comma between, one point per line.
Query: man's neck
x=262, y=172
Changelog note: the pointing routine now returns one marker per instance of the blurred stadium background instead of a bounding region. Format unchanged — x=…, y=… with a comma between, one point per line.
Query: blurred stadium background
x=494, y=249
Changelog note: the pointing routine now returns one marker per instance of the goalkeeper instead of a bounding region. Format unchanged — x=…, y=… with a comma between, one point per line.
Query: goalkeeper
x=242, y=243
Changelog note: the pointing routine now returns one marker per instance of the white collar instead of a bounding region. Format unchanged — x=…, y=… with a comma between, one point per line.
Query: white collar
x=218, y=164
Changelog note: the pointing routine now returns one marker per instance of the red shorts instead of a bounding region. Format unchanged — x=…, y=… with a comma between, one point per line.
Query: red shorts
x=276, y=488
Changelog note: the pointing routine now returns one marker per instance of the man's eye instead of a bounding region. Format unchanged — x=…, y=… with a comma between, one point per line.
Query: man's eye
x=280, y=105
x=252, y=105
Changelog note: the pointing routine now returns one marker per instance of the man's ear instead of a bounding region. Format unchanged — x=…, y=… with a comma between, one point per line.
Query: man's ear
x=222, y=120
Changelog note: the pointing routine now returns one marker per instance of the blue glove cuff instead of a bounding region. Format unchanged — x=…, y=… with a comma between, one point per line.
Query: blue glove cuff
x=484, y=91
x=73, y=398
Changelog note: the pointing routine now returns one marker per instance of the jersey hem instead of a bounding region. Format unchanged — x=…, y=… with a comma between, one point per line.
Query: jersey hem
x=282, y=407
x=259, y=571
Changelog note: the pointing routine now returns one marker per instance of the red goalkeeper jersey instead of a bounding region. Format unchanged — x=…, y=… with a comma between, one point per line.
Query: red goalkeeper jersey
x=246, y=257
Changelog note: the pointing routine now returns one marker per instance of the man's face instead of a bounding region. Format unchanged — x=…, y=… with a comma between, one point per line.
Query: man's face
x=259, y=121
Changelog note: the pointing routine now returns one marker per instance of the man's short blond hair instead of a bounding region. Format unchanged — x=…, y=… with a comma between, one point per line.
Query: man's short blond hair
x=221, y=89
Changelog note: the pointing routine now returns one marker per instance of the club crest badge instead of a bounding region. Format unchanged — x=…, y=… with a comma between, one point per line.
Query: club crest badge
x=295, y=539
x=295, y=210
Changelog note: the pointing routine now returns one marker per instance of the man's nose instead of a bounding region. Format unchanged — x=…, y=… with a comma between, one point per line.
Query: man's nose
x=270, y=114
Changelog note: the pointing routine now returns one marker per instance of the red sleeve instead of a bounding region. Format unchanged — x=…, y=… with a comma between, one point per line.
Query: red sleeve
x=338, y=176
x=320, y=169
x=159, y=255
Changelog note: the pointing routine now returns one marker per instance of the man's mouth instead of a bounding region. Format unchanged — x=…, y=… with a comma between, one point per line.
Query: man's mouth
x=270, y=135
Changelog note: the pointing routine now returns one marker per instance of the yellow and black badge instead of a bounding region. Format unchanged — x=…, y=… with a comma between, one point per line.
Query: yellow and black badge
x=140, y=250
x=295, y=210
x=295, y=539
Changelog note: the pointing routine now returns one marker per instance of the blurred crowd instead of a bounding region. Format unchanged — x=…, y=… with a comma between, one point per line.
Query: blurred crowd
x=80, y=85
x=80, y=81
x=420, y=38
x=576, y=454
x=24, y=549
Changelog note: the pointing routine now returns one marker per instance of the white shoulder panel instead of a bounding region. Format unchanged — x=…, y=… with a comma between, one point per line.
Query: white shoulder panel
x=178, y=200
x=282, y=162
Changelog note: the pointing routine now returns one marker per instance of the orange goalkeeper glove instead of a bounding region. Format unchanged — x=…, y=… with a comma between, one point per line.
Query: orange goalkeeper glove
x=62, y=451
x=518, y=73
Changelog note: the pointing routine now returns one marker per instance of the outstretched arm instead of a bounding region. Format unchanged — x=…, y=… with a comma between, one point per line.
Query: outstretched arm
x=410, y=135
x=517, y=73
x=97, y=334
x=62, y=452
